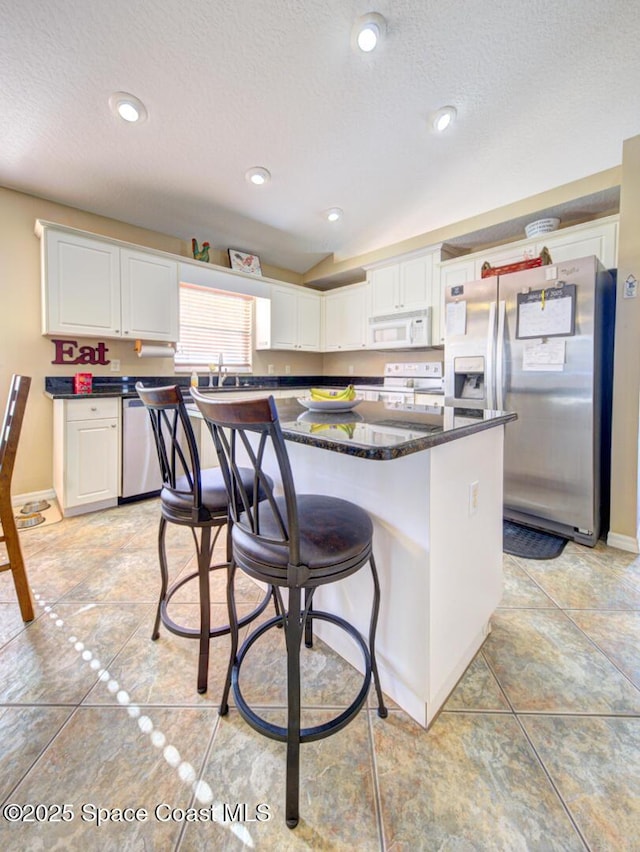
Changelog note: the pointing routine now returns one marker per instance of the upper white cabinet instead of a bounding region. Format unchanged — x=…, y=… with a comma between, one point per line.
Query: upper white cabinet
x=100, y=288
x=149, y=296
x=592, y=238
x=405, y=285
x=291, y=321
x=345, y=318
x=408, y=284
x=599, y=238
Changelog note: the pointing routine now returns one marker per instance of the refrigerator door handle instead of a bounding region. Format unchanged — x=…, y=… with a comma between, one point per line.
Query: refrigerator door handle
x=500, y=355
x=489, y=367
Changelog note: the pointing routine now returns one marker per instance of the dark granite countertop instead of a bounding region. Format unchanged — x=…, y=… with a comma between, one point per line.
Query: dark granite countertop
x=61, y=387
x=383, y=431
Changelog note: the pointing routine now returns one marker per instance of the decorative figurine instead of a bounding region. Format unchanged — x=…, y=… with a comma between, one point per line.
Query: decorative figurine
x=200, y=254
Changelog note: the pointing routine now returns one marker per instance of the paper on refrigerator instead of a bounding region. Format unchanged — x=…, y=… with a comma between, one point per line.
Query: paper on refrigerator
x=544, y=355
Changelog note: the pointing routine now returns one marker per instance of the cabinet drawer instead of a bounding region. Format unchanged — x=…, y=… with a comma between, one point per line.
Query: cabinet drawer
x=92, y=409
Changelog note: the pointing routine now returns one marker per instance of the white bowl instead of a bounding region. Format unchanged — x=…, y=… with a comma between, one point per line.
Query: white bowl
x=541, y=226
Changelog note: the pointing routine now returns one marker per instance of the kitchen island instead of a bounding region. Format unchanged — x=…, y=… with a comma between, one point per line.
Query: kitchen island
x=431, y=480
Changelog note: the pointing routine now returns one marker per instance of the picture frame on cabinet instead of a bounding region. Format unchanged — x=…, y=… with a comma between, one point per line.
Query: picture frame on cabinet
x=245, y=262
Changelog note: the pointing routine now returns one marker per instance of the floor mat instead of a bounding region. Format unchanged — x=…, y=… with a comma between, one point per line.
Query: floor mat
x=530, y=544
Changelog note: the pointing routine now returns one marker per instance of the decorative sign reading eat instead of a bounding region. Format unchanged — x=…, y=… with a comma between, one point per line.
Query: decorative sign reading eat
x=68, y=352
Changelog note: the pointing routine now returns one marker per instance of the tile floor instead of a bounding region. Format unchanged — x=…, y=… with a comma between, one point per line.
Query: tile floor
x=538, y=748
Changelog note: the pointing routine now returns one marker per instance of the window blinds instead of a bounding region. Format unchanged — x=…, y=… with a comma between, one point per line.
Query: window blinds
x=214, y=322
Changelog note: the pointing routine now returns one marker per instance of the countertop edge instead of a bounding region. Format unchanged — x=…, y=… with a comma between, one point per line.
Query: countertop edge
x=427, y=442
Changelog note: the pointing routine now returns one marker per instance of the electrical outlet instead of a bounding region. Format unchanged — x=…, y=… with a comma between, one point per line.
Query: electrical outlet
x=270, y=369
x=350, y=369
x=474, y=492
x=287, y=369
x=115, y=365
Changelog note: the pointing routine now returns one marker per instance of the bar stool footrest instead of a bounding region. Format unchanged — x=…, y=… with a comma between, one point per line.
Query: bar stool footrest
x=316, y=732
x=195, y=632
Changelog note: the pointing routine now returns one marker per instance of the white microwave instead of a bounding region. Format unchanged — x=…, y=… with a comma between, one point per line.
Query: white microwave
x=400, y=331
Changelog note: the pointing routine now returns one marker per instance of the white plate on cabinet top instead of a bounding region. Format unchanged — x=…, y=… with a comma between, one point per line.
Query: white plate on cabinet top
x=330, y=404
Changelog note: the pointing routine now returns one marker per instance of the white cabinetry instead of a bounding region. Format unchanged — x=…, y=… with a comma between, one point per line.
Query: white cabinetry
x=599, y=238
x=593, y=238
x=86, y=454
x=408, y=284
x=345, y=318
x=149, y=296
x=402, y=286
x=291, y=322
x=100, y=288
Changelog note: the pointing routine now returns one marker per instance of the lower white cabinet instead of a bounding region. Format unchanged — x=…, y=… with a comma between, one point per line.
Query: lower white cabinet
x=86, y=454
x=345, y=318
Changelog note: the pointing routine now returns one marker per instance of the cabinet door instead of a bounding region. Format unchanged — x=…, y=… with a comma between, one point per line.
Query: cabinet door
x=91, y=461
x=80, y=286
x=415, y=283
x=354, y=313
x=345, y=320
x=452, y=273
x=384, y=284
x=599, y=240
x=284, y=318
x=149, y=296
x=333, y=321
x=308, y=322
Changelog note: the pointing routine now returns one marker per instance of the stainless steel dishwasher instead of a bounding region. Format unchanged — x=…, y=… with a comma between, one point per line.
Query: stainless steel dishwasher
x=140, y=466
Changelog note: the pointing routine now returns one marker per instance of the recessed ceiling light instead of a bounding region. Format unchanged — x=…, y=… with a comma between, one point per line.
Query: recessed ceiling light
x=443, y=118
x=368, y=31
x=333, y=214
x=127, y=107
x=258, y=176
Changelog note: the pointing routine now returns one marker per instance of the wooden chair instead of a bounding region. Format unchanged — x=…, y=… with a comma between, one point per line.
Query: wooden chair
x=295, y=543
x=11, y=427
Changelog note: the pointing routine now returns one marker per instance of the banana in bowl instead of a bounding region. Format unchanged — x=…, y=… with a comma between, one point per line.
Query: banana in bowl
x=322, y=394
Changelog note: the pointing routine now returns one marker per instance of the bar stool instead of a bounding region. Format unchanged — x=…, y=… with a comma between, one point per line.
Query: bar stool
x=296, y=542
x=196, y=499
x=11, y=428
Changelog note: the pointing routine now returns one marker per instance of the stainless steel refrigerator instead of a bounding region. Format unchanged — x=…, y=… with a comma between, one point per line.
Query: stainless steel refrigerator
x=540, y=342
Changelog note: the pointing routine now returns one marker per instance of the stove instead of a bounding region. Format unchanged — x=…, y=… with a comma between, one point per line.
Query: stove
x=402, y=380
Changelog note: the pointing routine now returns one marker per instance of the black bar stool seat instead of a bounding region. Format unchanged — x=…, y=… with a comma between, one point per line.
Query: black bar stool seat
x=177, y=503
x=335, y=535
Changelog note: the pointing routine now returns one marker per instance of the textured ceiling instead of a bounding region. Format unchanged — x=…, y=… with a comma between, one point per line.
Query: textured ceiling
x=546, y=92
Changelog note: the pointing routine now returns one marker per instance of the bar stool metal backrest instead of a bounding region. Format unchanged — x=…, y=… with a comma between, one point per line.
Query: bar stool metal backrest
x=293, y=541
x=194, y=498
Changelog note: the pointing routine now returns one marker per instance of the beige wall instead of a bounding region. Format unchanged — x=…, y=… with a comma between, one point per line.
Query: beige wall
x=625, y=514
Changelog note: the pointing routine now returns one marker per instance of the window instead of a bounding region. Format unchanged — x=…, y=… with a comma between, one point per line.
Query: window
x=213, y=322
